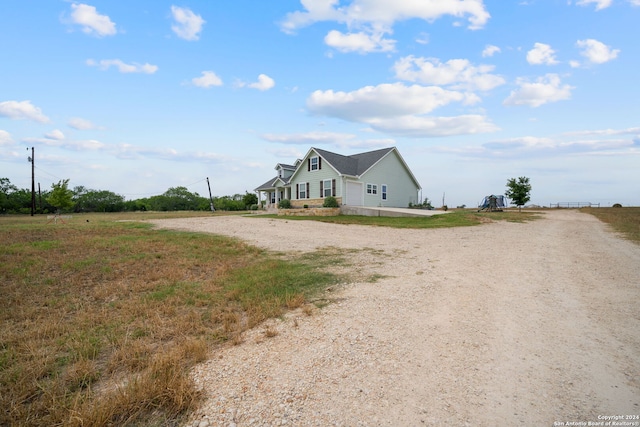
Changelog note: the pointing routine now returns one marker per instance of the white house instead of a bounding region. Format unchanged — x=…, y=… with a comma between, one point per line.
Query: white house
x=379, y=178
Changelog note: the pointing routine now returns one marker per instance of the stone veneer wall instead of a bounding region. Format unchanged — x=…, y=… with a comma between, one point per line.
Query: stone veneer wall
x=309, y=212
x=311, y=203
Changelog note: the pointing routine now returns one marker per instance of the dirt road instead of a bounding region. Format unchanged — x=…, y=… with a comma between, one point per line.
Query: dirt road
x=501, y=324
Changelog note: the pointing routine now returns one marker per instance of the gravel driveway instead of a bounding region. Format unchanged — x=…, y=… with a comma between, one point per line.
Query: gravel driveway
x=499, y=324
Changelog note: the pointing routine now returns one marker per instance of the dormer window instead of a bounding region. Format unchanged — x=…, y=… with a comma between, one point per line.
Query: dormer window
x=314, y=163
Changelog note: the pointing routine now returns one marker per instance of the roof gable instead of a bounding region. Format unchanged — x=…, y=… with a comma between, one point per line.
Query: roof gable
x=354, y=165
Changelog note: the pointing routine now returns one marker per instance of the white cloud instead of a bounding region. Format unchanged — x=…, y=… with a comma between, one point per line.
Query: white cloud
x=541, y=54
x=423, y=38
x=91, y=21
x=428, y=127
x=309, y=138
x=128, y=151
x=208, y=79
x=457, y=73
x=634, y=2
x=51, y=140
x=341, y=140
x=359, y=42
x=264, y=83
x=105, y=64
x=597, y=52
x=369, y=21
x=89, y=144
x=187, y=24
x=530, y=142
x=600, y=4
x=5, y=138
x=82, y=145
x=536, y=146
x=81, y=124
x=601, y=132
x=382, y=101
x=22, y=110
x=528, y=147
x=534, y=94
x=383, y=14
x=490, y=50
x=55, y=134
x=400, y=109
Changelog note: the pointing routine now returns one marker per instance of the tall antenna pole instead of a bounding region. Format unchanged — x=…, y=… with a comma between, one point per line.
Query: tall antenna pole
x=210, y=197
x=33, y=181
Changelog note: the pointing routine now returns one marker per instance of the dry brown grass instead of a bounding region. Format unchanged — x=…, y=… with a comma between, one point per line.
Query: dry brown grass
x=100, y=321
x=622, y=220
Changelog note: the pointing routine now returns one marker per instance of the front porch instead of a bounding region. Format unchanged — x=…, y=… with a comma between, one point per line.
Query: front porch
x=273, y=196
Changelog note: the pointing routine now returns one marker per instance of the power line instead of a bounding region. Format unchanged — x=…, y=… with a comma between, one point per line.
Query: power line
x=49, y=173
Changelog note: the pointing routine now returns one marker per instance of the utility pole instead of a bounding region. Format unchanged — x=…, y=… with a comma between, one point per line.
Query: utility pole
x=210, y=197
x=33, y=181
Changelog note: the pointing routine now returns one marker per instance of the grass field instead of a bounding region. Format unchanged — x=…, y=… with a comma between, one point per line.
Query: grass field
x=102, y=317
x=101, y=320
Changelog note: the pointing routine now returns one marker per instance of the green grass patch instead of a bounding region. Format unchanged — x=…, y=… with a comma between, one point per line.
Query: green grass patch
x=458, y=218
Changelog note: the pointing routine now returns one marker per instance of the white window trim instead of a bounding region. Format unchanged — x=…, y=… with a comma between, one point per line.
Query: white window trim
x=317, y=165
x=302, y=189
x=327, y=187
x=372, y=189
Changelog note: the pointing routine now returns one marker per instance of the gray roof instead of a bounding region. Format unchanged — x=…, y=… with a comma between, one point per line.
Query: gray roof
x=285, y=166
x=353, y=165
x=270, y=185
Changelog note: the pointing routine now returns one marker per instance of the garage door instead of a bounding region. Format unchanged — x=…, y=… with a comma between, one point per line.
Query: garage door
x=354, y=194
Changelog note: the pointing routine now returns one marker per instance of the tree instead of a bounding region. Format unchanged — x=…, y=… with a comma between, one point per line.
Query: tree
x=6, y=190
x=87, y=200
x=519, y=191
x=249, y=199
x=61, y=197
x=177, y=199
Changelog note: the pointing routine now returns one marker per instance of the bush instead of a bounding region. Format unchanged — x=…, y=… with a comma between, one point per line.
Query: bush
x=426, y=204
x=284, y=204
x=617, y=205
x=330, y=202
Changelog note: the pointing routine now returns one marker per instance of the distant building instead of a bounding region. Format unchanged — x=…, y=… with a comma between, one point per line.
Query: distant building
x=379, y=178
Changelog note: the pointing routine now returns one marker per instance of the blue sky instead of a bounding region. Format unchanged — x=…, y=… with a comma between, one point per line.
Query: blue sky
x=136, y=97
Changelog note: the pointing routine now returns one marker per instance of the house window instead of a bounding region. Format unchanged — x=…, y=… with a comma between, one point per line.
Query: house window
x=383, y=188
x=314, y=163
x=372, y=188
x=326, y=188
x=302, y=190
x=273, y=197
